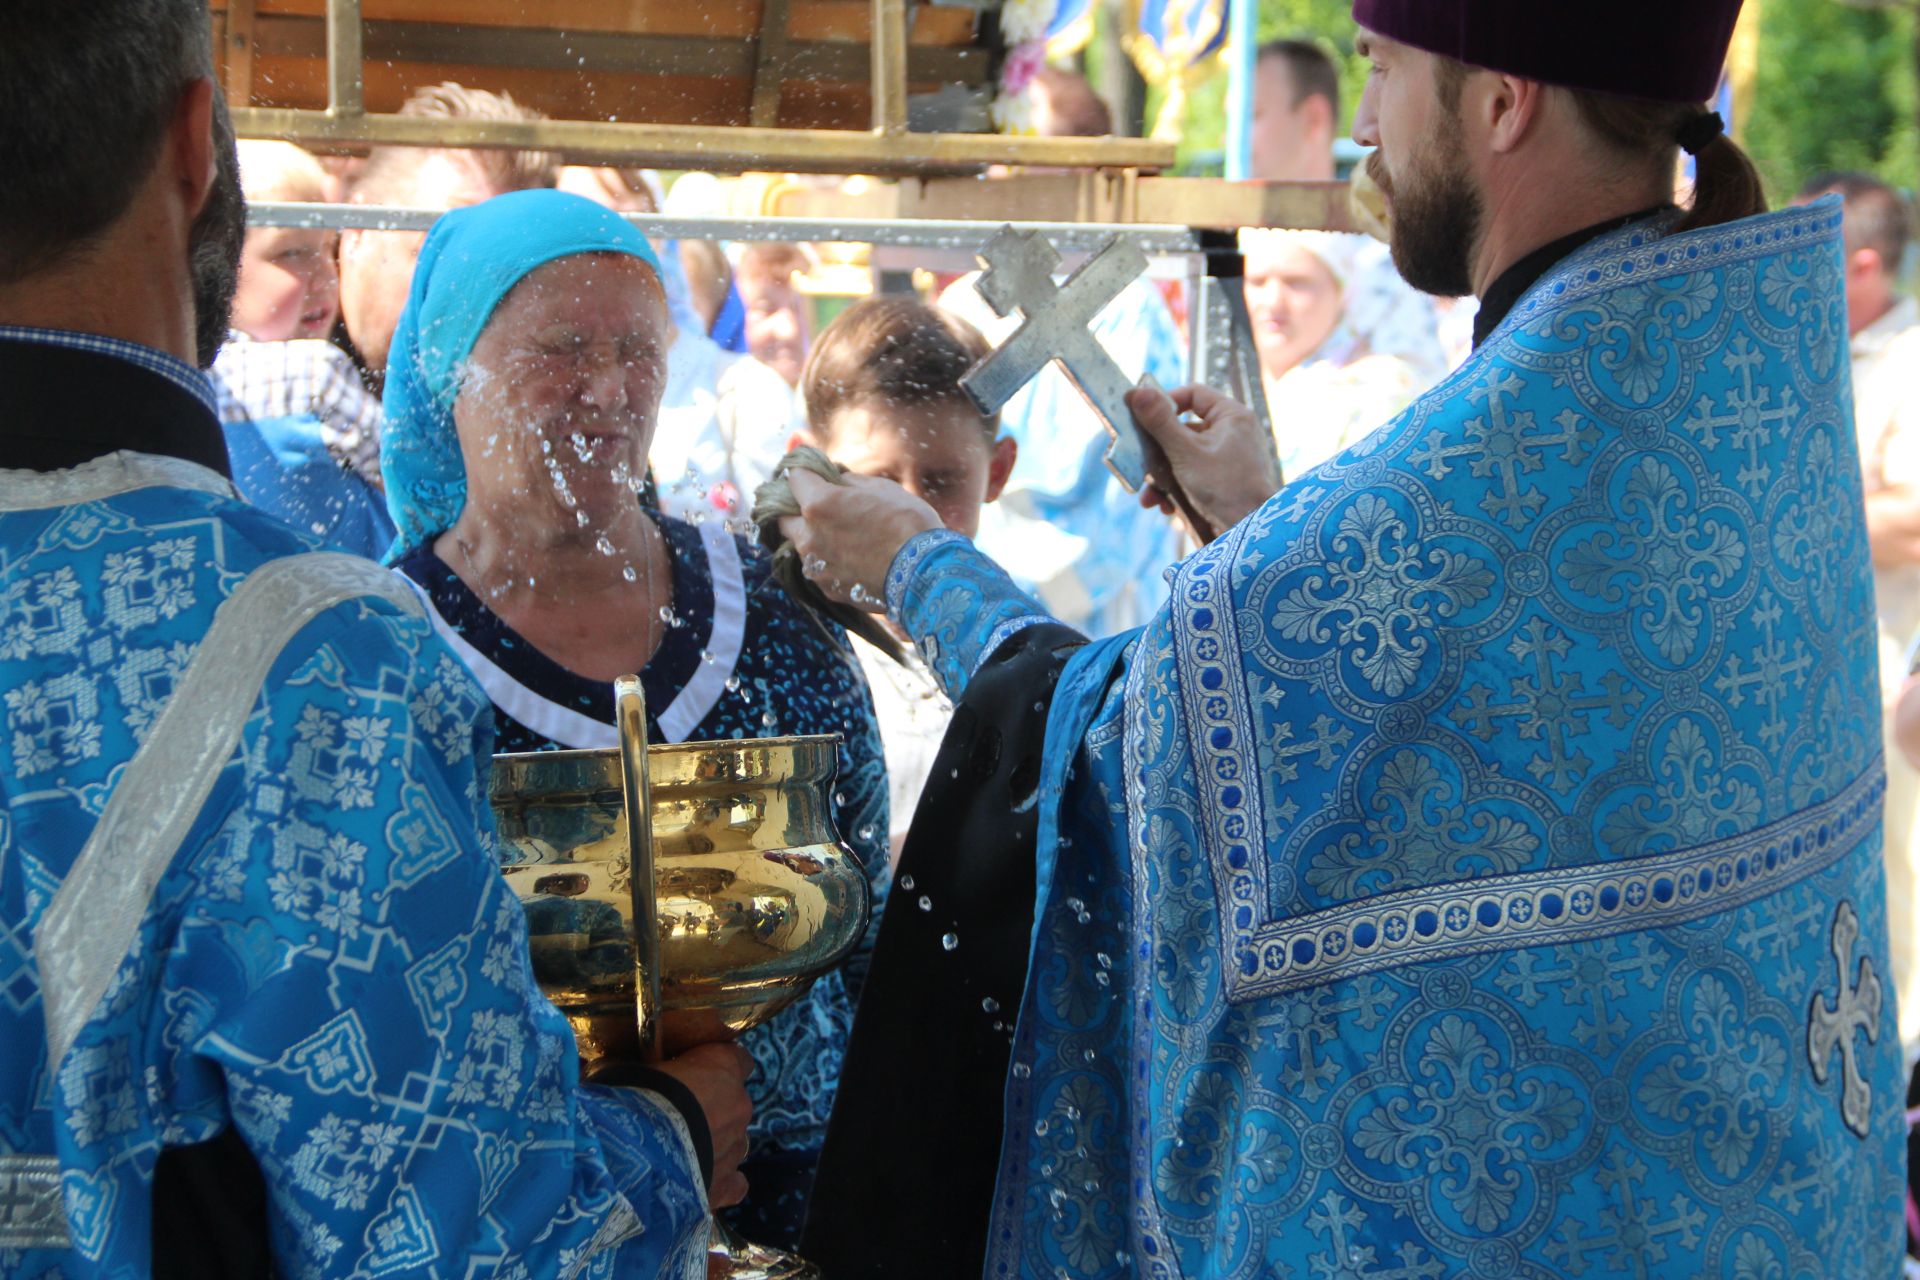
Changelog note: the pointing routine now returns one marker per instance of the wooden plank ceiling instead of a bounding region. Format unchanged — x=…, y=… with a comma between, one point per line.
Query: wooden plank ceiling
x=651, y=61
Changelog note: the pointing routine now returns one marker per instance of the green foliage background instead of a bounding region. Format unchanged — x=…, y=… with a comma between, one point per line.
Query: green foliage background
x=1835, y=89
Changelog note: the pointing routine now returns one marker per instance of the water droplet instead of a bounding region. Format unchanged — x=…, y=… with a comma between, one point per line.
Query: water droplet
x=1021, y=1071
x=666, y=614
x=1057, y=1198
x=1104, y=960
x=926, y=903
x=733, y=684
x=990, y=1005
x=1040, y=1128
x=866, y=832
x=949, y=941
x=629, y=574
x=603, y=544
x=767, y=719
x=906, y=883
x=1090, y=1056
x=1103, y=978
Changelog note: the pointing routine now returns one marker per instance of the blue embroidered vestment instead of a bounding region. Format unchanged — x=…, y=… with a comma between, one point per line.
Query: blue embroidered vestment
x=331, y=963
x=1475, y=870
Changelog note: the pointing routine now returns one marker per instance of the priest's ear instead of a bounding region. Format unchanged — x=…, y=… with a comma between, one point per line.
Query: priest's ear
x=1006, y=452
x=1507, y=108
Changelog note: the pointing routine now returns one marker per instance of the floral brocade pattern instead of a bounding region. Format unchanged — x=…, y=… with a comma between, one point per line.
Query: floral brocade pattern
x=1475, y=871
x=331, y=965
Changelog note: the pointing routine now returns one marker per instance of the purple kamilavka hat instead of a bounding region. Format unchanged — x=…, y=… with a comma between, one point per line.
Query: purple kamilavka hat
x=1655, y=49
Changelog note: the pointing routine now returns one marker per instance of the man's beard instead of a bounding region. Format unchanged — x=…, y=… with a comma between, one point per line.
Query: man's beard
x=1436, y=220
x=214, y=244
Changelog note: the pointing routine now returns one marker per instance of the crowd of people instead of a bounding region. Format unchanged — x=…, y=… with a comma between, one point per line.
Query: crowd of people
x=539, y=434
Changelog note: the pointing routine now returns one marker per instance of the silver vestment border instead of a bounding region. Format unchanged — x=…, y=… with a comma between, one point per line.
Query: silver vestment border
x=1566, y=904
x=31, y=1213
x=106, y=477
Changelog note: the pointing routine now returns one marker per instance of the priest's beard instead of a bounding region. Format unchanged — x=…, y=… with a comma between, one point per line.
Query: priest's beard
x=214, y=243
x=1437, y=215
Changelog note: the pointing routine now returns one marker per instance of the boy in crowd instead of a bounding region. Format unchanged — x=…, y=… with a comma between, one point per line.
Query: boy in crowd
x=883, y=398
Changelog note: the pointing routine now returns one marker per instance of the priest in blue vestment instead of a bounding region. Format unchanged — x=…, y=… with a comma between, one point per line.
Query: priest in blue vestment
x=1474, y=870
x=266, y=1002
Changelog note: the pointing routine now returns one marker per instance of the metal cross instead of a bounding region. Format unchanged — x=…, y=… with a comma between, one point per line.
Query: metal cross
x=1018, y=276
x=1831, y=1026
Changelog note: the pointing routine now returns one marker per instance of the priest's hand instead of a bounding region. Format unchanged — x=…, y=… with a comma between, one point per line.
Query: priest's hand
x=717, y=1076
x=1221, y=457
x=847, y=534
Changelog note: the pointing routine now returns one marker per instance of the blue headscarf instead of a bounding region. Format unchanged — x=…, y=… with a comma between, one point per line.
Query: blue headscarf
x=472, y=258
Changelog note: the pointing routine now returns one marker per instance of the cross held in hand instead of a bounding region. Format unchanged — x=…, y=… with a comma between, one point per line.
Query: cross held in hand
x=1018, y=276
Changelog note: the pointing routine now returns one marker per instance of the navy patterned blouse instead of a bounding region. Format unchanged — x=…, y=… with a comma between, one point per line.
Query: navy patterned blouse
x=739, y=660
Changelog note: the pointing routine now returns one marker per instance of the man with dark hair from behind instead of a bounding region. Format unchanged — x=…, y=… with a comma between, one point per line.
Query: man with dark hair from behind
x=268, y=1003
x=376, y=267
x=1884, y=328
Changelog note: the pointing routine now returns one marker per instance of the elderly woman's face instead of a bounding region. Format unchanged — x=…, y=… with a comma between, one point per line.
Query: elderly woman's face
x=1294, y=303
x=557, y=405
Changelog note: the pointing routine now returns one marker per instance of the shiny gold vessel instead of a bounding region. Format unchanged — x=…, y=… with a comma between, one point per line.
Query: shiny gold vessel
x=748, y=892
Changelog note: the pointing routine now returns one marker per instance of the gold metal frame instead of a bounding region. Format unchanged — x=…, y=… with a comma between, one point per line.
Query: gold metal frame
x=889, y=147
x=636, y=794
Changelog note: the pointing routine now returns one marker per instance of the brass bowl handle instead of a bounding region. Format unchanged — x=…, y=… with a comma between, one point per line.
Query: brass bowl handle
x=630, y=711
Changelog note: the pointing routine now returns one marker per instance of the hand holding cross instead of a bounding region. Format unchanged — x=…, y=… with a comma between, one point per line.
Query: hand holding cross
x=1155, y=452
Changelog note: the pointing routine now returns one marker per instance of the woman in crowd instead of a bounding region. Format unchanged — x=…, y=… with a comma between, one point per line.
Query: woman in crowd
x=521, y=398
x=1327, y=385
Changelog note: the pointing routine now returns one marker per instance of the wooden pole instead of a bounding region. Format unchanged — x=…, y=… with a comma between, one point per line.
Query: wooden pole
x=890, y=67
x=344, y=87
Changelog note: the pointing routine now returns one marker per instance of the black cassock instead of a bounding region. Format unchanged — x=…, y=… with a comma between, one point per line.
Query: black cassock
x=905, y=1183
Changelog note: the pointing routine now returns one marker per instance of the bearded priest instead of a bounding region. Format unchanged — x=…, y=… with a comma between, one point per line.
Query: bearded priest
x=1475, y=869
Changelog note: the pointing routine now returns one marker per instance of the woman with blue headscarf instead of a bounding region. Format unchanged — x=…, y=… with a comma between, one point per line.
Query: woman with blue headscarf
x=521, y=397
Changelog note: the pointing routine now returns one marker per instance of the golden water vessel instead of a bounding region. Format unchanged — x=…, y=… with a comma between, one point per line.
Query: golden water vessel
x=749, y=892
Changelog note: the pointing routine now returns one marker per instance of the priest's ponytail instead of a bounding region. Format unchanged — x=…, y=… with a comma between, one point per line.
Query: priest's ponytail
x=1726, y=185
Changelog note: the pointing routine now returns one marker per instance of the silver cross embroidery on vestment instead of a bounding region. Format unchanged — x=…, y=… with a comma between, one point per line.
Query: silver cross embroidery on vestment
x=1832, y=1025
